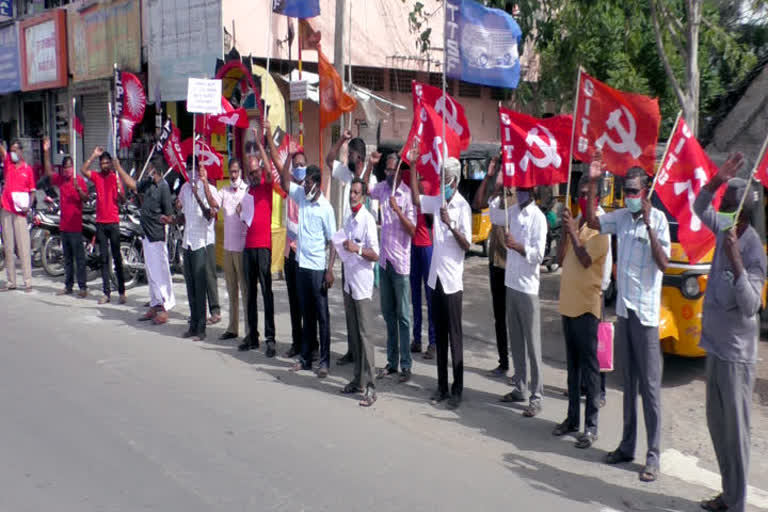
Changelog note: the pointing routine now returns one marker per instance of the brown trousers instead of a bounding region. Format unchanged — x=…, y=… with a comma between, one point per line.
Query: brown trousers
x=16, y=234
x=235, y=277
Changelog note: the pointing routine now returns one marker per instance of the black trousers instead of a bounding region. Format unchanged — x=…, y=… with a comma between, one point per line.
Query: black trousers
x=499, y=300
x=583, y=369
x=291, y=270
x=108, y=237
x=447, y=308
x=257, y=267
x=74, y=256
x=213, y=288
x=196, y=277
x=314, y=313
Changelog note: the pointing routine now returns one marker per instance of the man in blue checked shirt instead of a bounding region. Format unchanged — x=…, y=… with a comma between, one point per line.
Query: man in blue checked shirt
x=642, y=235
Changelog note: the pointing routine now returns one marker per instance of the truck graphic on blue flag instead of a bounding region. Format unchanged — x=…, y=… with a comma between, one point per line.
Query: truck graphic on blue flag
x=481, y=44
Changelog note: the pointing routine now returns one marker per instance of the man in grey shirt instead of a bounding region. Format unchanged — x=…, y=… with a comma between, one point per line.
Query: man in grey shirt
x=730, y=328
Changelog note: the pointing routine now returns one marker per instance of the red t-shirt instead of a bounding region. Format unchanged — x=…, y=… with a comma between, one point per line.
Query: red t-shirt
x=71, y=204
x=259, y=234
x=107, y=211
x=18, y=178
x=421, y=236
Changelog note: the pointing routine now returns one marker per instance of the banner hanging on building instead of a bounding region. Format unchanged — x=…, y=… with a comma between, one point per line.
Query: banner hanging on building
x=10, y=79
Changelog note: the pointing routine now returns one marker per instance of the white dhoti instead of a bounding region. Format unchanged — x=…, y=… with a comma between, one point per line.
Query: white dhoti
x=158, y=275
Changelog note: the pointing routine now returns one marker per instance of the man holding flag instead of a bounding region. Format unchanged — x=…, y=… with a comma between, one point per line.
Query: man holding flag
x=730, y=327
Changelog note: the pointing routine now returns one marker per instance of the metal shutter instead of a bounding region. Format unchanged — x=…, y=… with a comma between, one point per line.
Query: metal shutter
x=95, y=123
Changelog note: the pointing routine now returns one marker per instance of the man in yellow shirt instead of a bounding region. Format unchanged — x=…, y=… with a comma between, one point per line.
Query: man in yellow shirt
x=582, y=253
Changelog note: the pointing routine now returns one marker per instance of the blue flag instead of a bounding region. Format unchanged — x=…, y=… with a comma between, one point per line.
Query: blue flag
x=297, y=8
x=481, y=44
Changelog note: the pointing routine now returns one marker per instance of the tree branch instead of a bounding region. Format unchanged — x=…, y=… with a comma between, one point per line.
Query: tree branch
x=662, y=54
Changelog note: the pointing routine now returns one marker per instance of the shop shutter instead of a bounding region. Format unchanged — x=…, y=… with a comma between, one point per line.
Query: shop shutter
x=95, y=123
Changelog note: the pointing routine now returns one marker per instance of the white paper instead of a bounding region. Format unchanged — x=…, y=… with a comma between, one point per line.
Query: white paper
x=347, y=258
x=498, y=216
x=20, y=200
x=204, y=96
x=246, y=213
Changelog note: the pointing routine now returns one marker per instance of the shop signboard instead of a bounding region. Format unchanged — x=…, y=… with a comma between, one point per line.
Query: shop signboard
x=44, y=51
x=10, y=78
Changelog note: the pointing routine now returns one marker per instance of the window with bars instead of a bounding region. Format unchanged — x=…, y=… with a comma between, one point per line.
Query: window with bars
x=370, y=78
x=468, y=90
x=499, y=94
x=400, y=81
x=436, y=79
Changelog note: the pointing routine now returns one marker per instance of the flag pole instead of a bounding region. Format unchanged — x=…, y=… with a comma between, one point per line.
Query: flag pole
x=759, y=160
x=112, y=123
x=269, y=58
x=193, y=178
x=445, y=99
x=573, y=138
x=666, y=152
x=74, y=135
x=301, y=102
x=146, y=164
x=503, y=186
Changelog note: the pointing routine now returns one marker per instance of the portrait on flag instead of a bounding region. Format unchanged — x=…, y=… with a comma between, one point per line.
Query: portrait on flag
x=625, y=126
x=684, y=171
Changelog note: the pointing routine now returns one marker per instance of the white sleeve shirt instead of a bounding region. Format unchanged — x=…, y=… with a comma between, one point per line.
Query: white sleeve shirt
x=447, y=255
x=358, y=274
x=528, y=227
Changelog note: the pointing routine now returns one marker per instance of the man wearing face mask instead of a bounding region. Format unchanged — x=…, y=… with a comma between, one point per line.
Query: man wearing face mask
x=452, y=235
x=230, y=198
x=156, y=212
x=526, y=242
x=72, y=194
x=642, y=236
x=316, y=227
x=256, y=212
x=398, y=225
x=16, y=199
x=730, y=327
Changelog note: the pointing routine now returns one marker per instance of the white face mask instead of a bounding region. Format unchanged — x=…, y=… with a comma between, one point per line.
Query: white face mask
x=236, y=183
x=309, y=195
x=14, y=157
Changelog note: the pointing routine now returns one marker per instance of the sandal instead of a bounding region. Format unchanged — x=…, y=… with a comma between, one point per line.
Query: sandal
x=716, y=504
x=351, y=388
x=649, y=474
x=369, y=398
x=532, y=410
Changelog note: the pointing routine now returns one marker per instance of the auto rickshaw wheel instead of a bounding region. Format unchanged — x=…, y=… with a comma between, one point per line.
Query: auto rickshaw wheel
x=485, y=247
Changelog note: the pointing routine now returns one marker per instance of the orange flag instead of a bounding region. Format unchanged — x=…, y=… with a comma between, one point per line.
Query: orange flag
x=309, y=38
x=333, y=100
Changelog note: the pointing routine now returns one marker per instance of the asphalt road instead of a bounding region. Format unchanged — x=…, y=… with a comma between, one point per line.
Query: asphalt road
x=101, y=413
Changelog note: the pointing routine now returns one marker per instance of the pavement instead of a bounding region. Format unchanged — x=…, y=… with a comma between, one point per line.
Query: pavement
x=104, y=413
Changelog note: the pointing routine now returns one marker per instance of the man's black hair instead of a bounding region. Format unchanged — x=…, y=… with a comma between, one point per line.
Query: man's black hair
x=313, y=174
x=360, y=181
x=637, y=173
x=358, y=145
x=105, y=156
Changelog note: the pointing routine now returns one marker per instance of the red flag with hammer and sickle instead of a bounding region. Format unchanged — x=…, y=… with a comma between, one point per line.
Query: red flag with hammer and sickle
x=448, y=107
x=682, y=174
x=206, y=157
x=762, y=166
x=433, y=148
x=534, y=151
x=174, y=155
x=625, y=126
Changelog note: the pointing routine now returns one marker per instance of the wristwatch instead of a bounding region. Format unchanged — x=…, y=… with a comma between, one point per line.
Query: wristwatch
x=359, y=250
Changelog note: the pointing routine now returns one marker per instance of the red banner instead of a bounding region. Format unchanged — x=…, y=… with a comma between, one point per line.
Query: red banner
x=682, y=174
x=432, y=147
x=624, y=125
x=762, y=167
x=283, y=142
x=207, y=157
x=455, y=119
x=174, y=156
x=534, y=151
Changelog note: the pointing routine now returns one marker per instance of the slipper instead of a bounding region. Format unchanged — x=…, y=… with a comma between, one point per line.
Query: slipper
x=649, y=474
x=351, y=388
x=716, y=504
x=7, y=288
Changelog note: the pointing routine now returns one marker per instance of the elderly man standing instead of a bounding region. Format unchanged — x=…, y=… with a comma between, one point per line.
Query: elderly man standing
x=582, y=255
x=730, y=328
x=642, y=235
x=452, y=235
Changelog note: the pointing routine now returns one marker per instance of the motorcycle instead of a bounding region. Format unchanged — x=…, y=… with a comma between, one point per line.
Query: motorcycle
x=131, y=246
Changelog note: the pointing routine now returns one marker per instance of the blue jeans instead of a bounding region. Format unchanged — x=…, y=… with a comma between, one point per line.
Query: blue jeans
x=420, y=260
x=395, y=307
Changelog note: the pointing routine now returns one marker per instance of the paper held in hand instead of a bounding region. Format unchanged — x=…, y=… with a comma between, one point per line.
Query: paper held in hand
x=204, y=96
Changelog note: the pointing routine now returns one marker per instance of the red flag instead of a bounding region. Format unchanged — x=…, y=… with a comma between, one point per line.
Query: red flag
x=534, y=151
x=309, y=38
x=283, y=143
x=455, y=119
x=762, y=167
x=126, y=132
x=77, y=119
x=333, y=100
x=682, y=174
x=174, y=156
x=135, y=100
x=206, y=157
x=432, y=147
x=624, y=125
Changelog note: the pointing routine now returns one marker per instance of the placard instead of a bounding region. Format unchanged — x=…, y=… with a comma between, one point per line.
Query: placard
x=43, y=51
x=203, y=96
x=10, y=79
x=298, y=90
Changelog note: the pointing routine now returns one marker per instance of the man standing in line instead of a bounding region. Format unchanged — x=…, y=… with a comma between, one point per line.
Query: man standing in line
x=642, y=236
x=446, y=272
x=257, y=256
x=398, y=225
x=156, y=212
x=109, y=191
x=525, y=242
x=72, y=194
x=316, y=228
x=361, y=245
x=230, y=198
x=581, y=255
x=497, y=259
x=730, y=328
x=17, y=197
x=421, y=257
x=198, y=204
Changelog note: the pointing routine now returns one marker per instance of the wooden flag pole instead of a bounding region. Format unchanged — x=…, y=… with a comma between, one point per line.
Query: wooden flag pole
x=444, y=99
x=146, y=164
x=760, y=157
x=666, y=152
x=193, y=178
x=301, y=102
x=503, y=186
x=74, y=135
x=573, y=138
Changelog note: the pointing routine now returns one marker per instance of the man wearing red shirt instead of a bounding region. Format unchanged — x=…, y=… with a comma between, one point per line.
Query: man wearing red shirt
x=14, y=205
x=72, y=193
x=109, y=190
x=257, y=256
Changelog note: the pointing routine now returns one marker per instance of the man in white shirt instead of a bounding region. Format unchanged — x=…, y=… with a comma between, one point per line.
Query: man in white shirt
x=452, y=235
x=198, y=205
x=526, y=242
x=358, y=251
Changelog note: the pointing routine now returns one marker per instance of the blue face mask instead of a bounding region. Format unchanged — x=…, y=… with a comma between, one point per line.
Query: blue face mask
x=523, y=196
x=634, y=204
x=299, y=173
x=448, y=192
